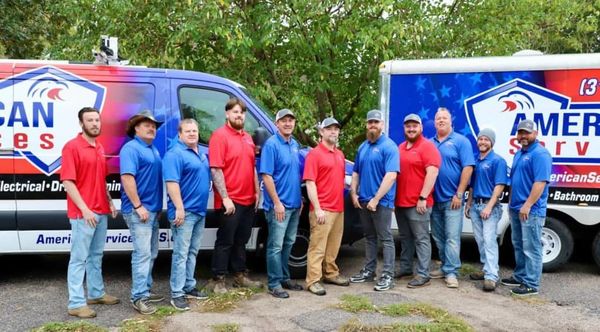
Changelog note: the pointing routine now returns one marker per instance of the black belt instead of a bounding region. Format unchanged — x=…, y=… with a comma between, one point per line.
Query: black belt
x=480, y=200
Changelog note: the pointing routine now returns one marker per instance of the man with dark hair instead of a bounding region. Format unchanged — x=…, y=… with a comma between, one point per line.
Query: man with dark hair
x=141, y=204
x=232, y=165
x=282, y=178
x=186, y=173
x=83, y=174
x=529, y=178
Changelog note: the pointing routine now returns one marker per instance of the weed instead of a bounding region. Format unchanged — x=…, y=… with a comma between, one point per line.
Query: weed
x=227, y=327
x=355, y=303
x=79, y=326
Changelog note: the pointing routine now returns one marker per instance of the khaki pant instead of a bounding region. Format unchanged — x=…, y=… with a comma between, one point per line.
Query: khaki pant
x=324, y=246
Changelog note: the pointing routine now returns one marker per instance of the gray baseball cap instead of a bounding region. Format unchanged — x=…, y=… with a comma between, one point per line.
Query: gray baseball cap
x=376, y=115
x=283, y=113
x=489, y=133
x=330, y=121
x=412, y=117
x=527, y=125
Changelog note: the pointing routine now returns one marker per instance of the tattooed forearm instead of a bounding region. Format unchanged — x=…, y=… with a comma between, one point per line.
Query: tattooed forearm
x=219, y=181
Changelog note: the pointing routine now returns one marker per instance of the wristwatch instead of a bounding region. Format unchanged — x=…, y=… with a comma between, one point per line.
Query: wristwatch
x=421, y=198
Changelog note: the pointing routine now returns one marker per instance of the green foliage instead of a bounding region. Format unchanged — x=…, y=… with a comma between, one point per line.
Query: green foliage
x=317, y=58
x=78, y=326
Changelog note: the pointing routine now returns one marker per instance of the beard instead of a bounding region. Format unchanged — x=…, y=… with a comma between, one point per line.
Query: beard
x=236, y=124
x=331, y=140
x=91, y=133
x=373, y=134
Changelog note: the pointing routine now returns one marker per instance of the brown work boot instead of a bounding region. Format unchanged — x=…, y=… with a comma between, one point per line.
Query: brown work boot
x=217, y=284
x=82, y=312
x=106, y=299
x=479, y=275
x=338, y=280
x=489, y=285
x=240, y=279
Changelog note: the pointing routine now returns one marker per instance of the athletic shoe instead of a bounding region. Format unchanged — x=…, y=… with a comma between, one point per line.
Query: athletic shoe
x=155, y=297
x=523, y=291
x=144, y=307
x=418, y=282
x=317, y=289
x=362, y=276
x=451, y=282
x=288, y=284
x=196, y=294
x=279, y=293
x=384, y=283
x=511, y=282
x=180, y=303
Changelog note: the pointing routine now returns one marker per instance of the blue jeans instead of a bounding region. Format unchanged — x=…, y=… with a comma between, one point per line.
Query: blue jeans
x=486, y=238
x=282, y=236
x=446, y=227
x=87, y=248
x=527, y=242
x=145, y=250
x=186, y=242
x=377, y=226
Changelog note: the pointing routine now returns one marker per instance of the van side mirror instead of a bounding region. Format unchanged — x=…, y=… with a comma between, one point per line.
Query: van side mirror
x=260, y=136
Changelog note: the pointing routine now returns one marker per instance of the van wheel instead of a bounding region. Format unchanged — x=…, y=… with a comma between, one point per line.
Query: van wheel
x=558, y=244
x=596, y=249
x=298, y=256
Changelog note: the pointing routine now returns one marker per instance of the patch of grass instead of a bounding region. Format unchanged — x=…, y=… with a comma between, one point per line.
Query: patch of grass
x=227, y=327
x=467, y=269
x=535, y=300
x=355, y=303
x=79, y=326
x=229, y=300
x=148, y=323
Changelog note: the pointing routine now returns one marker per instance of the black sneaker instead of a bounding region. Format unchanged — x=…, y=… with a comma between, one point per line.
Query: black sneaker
x=418, y=282
x=180, y=303
x=144, y=307
x=510, y=282
x=196, y=294
x=288, y=284
x=523, y=291
x=279, y=293
x=384, y=283
x=362, y=276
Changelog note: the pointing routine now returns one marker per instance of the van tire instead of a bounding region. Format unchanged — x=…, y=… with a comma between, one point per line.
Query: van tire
x=596, y=249
x=558, y=244
x=298, y=257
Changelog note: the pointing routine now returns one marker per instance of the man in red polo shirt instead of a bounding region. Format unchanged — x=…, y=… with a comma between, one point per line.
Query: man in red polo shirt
x=83, y=174
x=232, y=166
x=419, y=165
x=324, y=172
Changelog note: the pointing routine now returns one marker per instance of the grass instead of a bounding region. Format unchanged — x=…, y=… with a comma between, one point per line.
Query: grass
x=227, y=327
x=79, y=326
x=148, y=323
x=229, y=300
x=440, y=320
x=467, y=269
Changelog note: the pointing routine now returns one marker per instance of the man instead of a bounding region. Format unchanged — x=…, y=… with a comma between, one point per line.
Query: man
x=373, y=191
x=83, y=175
x=324, y=175
x=452, y=181
x=231, y=154
x=187, y=175
x=280, y=170
x=141, y=204
x=529, y=177
x=483, y=206
x=419, y=162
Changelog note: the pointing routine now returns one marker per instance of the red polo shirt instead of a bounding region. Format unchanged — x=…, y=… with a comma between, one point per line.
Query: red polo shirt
x=233, y=152
x=413, y=162
x=327, y=169
x=85, y=165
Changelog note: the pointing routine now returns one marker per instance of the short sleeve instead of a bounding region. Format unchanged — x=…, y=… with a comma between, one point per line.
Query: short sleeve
x=217, y=147
x=466, y=153
x=310, y=167
x=128, y=160
x=542, y=167
x=68, y=169
x=431, y=155
x=392, y=159
x=501, y=176
x=172, y=167
x=268, y=156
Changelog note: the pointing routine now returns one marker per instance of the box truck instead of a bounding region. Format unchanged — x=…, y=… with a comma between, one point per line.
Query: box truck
x=561, y=93
x=39, y=101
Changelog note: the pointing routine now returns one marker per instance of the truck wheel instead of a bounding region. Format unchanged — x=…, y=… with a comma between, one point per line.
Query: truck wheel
x=558, y=244
x=596, y=249
x=298, y=256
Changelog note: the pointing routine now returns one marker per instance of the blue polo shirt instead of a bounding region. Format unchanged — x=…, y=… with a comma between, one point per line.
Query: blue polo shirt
x=191, y=171
x=142, y=160
x=488, y=173
x=372, y=161
x=457, y=153
x=529, y=166
x=281, y=160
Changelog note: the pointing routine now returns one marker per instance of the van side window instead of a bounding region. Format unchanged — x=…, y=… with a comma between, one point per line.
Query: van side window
x=208, y=108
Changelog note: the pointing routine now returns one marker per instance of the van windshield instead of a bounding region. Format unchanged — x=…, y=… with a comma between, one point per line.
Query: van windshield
x=258, y=103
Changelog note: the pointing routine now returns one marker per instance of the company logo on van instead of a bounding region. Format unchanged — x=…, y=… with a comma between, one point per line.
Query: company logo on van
x=38, y=113
x=569, y=130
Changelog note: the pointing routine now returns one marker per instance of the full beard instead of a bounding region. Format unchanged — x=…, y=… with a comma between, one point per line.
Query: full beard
x=238, y=125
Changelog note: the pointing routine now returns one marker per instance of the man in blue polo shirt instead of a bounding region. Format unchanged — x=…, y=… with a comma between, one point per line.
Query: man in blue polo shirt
x=187, y=175
x=373, y=191
x=483, y=206
x=141, y=203
x=282, y=178
x=452, y=181
x=529, y=177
